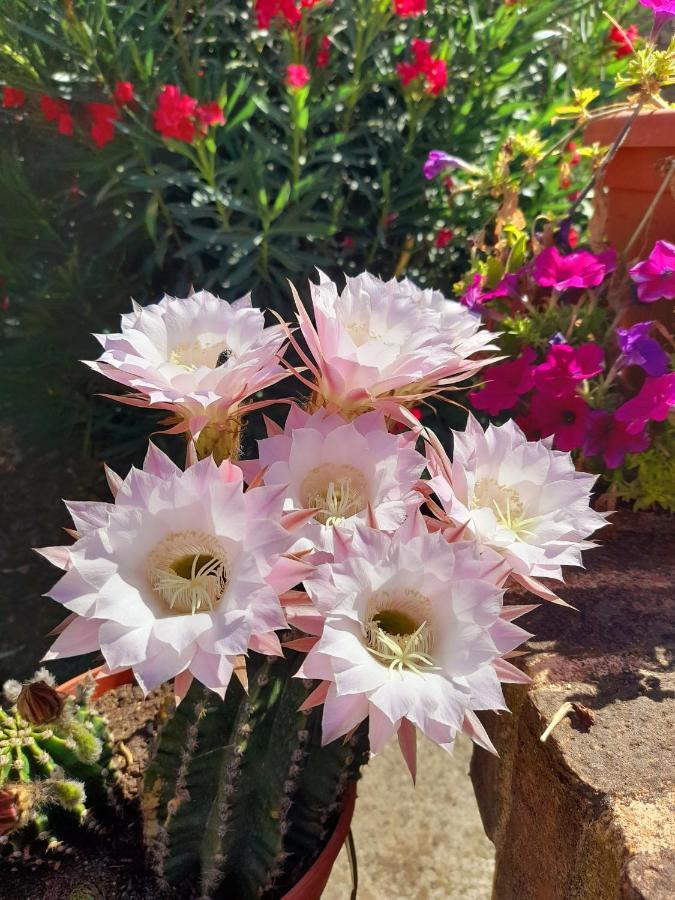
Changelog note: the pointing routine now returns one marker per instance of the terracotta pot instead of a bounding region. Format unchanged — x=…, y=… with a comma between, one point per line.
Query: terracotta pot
x=313, y=883
x=633, y=177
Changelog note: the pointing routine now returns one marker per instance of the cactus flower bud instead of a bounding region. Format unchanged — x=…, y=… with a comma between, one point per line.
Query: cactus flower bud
x=40, y=703
x=9, y=813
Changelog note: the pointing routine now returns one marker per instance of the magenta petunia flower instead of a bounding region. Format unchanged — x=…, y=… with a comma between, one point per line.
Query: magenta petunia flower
x=655, y=276
x=563, y=417
x=505, y=383
x=654, y=402
x=662, y=9
x=438, y=161
x=576, y=270
x=566, y=366
x=473, y=298
x=639, y=349
x=610, y=439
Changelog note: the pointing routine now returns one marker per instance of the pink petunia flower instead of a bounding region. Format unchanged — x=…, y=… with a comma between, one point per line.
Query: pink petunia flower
x=579, y=269
x=609, y=438
x=565, y=366
x=413, y=638
x=178, y=577
x=655, y=276
x=653, y=403
x=565, y=417
x=505, y=383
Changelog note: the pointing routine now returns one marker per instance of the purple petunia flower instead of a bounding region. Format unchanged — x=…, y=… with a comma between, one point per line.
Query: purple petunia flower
x=655, y=276
x=639, y=349
x=438, y=161
x=473, y=298
x=576, y=270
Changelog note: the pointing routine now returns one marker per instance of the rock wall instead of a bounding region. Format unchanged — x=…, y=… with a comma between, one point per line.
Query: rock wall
x=590, y=813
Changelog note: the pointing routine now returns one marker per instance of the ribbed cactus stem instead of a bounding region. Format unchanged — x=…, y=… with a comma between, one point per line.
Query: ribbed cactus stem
x=232, y=779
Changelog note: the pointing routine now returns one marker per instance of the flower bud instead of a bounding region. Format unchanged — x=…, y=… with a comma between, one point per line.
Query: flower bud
x=40, y=703
x=9, y=813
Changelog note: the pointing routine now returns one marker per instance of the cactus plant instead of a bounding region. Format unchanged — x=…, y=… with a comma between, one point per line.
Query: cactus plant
x=241, y=796
x=53, y=753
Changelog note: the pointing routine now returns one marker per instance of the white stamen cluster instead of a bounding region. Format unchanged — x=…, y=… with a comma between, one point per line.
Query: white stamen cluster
x=189, y=572
x=337, y=492
x=398, y=633
x=506, y=504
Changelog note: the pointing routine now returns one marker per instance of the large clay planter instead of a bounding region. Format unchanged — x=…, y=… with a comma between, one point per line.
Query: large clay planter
x=634, y=176
x=313, y=883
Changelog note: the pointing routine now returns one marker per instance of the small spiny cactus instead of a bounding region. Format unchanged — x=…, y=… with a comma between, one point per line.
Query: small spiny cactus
x=53, y=753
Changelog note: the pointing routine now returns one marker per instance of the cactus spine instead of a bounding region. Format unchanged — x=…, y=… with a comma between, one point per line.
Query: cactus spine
x=53, y=751
x=241, y=796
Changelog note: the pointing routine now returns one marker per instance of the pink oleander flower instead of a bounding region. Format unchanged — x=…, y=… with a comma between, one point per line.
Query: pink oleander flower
x=563, y=416
x=653, y=403
x=565, y=366
x=655, y=276
x=178, y=577
x=609, y=438
x=579, y=269
x=522, y=499
x=297, y=76
x=380, y=342
x=349, y=471
x=199, y=358
x=413, y=638
x=505, y=383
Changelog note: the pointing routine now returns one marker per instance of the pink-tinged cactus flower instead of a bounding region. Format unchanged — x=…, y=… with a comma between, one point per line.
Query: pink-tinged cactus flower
x=566, y=366
x=199, y=358
x=178, y=577
x=505, y=383
x=609, y=438
x=580, y=269
x=522, y=499
x=349, y=472
x=413, y=638
x=653, y=403
x=381, y=343
x=655, y=276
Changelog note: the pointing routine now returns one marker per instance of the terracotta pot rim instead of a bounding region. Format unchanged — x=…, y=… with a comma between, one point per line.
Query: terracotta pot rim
x=313, y=882
x=648, y=130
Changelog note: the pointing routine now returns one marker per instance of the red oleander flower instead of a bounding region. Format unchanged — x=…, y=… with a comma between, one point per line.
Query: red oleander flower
x=323, y=53
x=433, y=72
x=57, y=111
x=436, y=76
x=573, y=237
x=297, y=76
x=174, y=116
x=13, y=98
x=443, y=237
x=268, y=10
x=624, y=38
x=409, y=9
x=103, y=118
x=124, y=93
x=210, y=114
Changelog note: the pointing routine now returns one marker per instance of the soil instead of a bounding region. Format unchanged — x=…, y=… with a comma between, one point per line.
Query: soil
x=108, y=861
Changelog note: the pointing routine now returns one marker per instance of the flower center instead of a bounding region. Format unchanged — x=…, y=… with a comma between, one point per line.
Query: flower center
x=189, y=572
x=209, y=351
x=361, y=333
x=337, y=491
x=505, y=503
x=397, y=631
